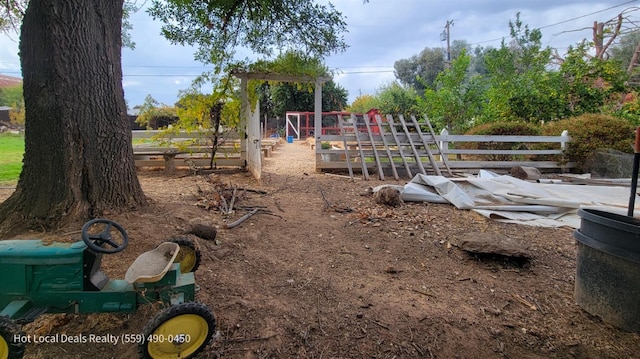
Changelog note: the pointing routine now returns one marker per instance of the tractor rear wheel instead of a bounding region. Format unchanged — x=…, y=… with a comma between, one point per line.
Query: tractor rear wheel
x=10, y=345
x=188, y=256
x=180, y=331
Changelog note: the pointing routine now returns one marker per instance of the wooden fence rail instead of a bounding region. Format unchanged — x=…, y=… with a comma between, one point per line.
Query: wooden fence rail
x=464, y=153
x=468, y=151
x=193, y=149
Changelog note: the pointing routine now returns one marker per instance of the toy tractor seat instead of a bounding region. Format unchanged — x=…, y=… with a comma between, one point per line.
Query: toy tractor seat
x=151, y=266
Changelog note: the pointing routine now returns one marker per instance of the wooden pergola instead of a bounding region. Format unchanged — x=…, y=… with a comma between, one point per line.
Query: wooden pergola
x=253, y=137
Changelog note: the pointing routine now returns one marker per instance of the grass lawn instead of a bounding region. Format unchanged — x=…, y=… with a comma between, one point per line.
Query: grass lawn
x=11, y=150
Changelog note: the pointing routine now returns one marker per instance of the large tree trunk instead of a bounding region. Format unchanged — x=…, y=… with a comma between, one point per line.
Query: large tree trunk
x=78, y=159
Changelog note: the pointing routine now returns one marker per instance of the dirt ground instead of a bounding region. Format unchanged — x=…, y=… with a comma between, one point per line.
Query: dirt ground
x=355, y=280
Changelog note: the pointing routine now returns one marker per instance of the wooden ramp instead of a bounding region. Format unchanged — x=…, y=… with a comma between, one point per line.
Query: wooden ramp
x=392, y=144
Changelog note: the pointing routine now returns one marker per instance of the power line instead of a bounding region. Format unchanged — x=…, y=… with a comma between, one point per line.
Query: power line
x=336, y=68
x=566, y=21
x=583, y=16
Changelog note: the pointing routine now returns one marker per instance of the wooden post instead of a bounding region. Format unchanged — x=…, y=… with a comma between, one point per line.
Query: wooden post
x=317, y=109
x=564, y=146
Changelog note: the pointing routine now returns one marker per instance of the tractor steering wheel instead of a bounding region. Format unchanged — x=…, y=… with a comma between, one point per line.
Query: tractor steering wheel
x=96, y=242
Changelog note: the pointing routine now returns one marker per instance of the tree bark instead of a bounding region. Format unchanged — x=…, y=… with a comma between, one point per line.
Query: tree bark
x=78, y=160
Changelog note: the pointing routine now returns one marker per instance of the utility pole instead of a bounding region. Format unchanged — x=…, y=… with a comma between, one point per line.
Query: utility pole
x=446, y=36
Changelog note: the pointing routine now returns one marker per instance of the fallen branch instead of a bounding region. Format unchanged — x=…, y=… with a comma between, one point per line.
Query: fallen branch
x=241, y=219
x=423, y=293
x=233, y=200
x=329, y=205
x=252, y=190
x=340, y=176
x=379, y=324
x=525, y=302
x=224, y=208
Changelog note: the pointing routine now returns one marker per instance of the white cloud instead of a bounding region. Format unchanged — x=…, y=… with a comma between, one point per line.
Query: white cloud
x=380, y=33
x=9, y=60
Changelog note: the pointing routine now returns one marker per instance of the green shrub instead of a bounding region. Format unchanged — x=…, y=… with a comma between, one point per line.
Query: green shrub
x=592, y=132
x=512, y=128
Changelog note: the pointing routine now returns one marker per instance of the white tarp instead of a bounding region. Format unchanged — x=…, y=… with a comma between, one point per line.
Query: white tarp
x=509, y=199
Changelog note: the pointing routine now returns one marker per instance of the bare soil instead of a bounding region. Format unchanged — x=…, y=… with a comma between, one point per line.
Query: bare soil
x=345, y=277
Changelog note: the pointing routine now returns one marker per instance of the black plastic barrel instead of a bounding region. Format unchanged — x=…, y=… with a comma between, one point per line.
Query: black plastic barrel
x=608, y=268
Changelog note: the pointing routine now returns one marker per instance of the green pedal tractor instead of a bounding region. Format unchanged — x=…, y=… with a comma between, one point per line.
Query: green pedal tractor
x=39, y=277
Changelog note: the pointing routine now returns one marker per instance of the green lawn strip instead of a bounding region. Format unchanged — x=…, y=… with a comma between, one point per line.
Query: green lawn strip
x=11, y=151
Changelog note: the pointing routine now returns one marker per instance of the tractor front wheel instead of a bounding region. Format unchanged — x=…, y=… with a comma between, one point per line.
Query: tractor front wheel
x=10, y=345
x=180, y=331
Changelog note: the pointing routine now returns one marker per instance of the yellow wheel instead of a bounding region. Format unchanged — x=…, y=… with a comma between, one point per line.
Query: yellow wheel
x=180, y=331
x=10, y=345
x=188, y=256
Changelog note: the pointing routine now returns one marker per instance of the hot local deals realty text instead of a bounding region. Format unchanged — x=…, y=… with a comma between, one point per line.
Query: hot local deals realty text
x=65, y=338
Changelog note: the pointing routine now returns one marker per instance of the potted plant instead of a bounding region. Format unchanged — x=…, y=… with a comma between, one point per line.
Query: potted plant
x=327, y=157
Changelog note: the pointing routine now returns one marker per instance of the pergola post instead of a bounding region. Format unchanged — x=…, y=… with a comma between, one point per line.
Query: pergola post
x=317, y=109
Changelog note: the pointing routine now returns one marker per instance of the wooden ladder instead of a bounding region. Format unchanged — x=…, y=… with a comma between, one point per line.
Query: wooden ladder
x=396, y=140
x=344, y=126
x=404, y=139
x=383, y=135
x=431, y=146
x=372, y=141
x=420, y=143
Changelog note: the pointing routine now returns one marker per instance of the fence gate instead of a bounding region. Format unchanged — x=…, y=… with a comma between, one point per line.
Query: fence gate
x=293, y=125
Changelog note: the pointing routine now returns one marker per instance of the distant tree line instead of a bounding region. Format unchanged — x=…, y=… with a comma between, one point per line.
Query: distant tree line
x=521, y=80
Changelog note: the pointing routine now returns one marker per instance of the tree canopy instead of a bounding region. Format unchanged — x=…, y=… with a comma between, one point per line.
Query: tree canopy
x=78, y=159
x=217, y=28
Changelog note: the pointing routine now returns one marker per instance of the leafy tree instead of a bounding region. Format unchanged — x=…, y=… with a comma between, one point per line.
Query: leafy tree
x=299, y=96
x=16, y=114
x=420, y=71
x=291, y=97
x=362, y=104
x=395, y=99
x=78, y=160
x=209, y=113
x=153, y=114
x=218, y=27
x=519, y=85
x=456, y=101
x=589, y=83
x=11, y=95
x=267, y=106
x=12, y=12
x=624, y=50
x=478, y=65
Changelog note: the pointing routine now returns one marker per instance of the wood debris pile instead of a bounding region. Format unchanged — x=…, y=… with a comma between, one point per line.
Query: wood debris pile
x=226, y=199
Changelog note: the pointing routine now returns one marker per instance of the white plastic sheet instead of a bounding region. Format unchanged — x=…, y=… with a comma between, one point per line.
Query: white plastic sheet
x=508, y=199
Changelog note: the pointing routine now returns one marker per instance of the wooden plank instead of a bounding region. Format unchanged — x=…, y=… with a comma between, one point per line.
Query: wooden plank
x=412, y=145
x=508, y=164
x=501, y=138
x=224, y=162
x=445, y=160
x=397, y=141
x=432, y=159
x=378, y=120
x=365, y=172
x=162, y=134
x=503, y=152
x=346, y=147
x=373, y=145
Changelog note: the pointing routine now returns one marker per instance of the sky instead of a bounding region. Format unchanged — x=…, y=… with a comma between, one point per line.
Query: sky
x=380, y=32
